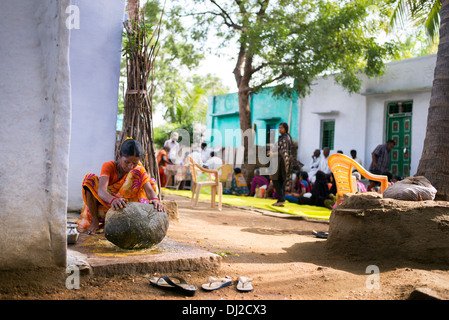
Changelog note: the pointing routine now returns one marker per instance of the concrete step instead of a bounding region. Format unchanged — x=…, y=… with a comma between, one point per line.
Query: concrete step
x=95, y=255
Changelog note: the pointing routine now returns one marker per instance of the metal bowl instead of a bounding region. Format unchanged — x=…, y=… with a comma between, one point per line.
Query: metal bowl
x=72, y=232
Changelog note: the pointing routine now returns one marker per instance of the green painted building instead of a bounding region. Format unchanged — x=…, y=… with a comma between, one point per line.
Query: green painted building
x=267, y=112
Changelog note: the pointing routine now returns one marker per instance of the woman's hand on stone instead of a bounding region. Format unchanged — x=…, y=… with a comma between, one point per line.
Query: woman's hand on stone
x=157, y=205
x=118, y=203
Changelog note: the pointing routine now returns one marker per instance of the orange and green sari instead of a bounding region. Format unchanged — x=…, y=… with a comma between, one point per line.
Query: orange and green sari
x=129, y=187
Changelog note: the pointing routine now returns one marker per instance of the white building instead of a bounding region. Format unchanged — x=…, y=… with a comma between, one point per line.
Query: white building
x=395, y=106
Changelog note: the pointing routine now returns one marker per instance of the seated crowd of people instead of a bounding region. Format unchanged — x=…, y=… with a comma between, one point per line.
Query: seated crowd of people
x=316, y=187
x=302, y=191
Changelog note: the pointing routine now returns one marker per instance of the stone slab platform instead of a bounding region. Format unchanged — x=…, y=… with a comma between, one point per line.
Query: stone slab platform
x=94, y=254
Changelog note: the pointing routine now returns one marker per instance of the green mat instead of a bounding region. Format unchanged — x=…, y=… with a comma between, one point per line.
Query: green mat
x=312, y=212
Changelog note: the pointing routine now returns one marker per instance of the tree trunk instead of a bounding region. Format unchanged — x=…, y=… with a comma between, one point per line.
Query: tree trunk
x=247, y=140
x=244, y=92
x=133, y=10
x=434, y=163
x=141, y=52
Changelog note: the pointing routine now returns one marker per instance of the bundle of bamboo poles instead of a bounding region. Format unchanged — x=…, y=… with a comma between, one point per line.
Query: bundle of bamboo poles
x=141, y=48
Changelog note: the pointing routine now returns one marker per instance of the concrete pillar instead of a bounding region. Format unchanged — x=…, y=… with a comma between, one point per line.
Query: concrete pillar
x=35, y=114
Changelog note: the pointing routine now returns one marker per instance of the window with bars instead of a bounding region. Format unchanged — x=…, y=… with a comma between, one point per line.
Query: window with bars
x=327, y=134
x=400, y=107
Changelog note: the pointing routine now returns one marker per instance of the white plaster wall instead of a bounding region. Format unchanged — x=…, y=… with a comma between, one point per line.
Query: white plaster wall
x=95, y=70
x=409, y=79
x=326, y=96
x=376, y=130
x=34, y=133
x=419, y=126
x=360, y=123
x=374, y=126
x=415, y=73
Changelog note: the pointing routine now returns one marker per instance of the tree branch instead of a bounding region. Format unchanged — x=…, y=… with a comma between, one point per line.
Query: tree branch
x=254, y=70
x=226, y=17
x=279, y=77
x=263, y=8
x=241, y=6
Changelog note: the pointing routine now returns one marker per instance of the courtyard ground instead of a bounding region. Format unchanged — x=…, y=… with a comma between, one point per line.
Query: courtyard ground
x=278, y=251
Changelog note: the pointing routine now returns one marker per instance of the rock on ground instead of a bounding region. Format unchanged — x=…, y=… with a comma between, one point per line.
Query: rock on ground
x=137, y=226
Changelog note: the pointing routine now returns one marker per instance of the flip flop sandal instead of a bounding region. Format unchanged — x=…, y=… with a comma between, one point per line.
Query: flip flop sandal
x=321, y=234
x=244, y=284
x=215, y=284
x=180, y=286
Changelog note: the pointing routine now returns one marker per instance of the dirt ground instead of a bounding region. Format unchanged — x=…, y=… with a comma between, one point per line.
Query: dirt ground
x=279, y=252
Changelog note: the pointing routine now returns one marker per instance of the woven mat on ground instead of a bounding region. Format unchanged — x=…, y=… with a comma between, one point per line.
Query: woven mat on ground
x=312, y=212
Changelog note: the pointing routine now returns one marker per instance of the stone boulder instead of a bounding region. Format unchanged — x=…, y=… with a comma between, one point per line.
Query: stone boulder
x=138, y=226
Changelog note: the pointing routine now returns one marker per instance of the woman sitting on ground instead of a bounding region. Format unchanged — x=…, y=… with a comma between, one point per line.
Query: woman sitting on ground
x=320, y=191
x=238, y=184
x=120, y=181
x=360, y=186
x=301, y=188
x=270, y=193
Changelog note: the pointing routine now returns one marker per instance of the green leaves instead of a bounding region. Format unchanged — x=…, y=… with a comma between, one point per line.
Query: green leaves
x=300, y=40
x=187, y=104
x=420, y=13
x=327, y=37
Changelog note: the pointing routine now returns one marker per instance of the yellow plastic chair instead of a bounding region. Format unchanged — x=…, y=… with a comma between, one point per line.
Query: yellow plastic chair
x=213, y=182
x=341, y=166
x=225, y=173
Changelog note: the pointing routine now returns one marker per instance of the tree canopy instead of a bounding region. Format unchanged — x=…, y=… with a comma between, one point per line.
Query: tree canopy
x=294, y=39
x=420, y=13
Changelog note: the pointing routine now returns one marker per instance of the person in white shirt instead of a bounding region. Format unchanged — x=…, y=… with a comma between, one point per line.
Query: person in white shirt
x=195, y=155
x=314, y=164
x=214, y=162
x=355, y=158
x=174, y=147
x=324, y=166
x=205, y=153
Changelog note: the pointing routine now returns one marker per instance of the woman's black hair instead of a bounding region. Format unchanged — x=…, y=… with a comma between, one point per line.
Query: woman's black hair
x=237, y=170
x=285, y=125
x=131, y=148
x=321, y=176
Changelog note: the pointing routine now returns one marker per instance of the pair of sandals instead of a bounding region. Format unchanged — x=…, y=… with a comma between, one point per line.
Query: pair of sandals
x=243, y=284
x=178, y=284
x=174, y=283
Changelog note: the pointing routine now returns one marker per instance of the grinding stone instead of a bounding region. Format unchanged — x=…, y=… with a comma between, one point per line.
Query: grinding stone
x=137, y=226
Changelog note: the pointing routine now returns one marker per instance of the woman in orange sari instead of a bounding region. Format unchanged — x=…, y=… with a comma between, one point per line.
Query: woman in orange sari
x=162, y=161
x=119, y=182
